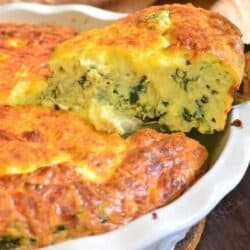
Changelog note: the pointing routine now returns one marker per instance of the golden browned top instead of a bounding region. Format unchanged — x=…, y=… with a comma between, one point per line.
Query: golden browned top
x=166, y=28
x=106, y=182
x=32, y=137
x=24, y=53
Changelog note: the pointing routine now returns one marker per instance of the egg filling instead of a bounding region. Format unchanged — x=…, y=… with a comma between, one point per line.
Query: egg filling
x=179, y=92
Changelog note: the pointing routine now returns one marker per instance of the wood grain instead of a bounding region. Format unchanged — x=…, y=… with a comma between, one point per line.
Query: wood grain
x=192, y=238
x=228, y=226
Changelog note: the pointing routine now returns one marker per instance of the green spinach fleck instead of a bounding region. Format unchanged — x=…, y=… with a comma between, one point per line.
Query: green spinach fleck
x=104, y=220
x=60, y=228
x=165, y=103
x=136, y=90
x=164, y=128
x=33, y=241
x=214, y=92
x=55, y=92
x=204, y=99
x=181, y=77
x=187, y=115
x=84, y=82
x=133, y=97
x=159, y=16
x=9, y=242
x=102, y=214
x=199, y=114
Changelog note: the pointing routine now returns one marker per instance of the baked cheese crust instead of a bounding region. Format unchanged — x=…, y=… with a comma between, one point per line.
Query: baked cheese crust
x=24, y=53
x=60, y=179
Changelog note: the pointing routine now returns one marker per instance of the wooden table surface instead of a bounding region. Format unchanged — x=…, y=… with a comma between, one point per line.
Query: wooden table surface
x=228, y=225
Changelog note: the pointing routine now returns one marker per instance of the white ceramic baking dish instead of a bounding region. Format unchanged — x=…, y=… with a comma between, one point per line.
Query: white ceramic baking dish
x=229, y=153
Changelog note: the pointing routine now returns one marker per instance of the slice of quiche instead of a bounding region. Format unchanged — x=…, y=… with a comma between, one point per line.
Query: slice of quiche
x=24, y=53
x=175, y=64
x=61, y=179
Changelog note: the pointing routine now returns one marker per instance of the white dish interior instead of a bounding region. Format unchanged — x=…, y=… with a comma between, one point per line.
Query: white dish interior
x=229, y=153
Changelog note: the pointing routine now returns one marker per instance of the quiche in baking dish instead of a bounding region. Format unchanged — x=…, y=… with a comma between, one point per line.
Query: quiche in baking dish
x=175, y=64
x=60, y=178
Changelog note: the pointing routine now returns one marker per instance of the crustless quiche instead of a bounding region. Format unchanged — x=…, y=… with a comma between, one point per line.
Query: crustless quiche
x=176, y=64
x=60, y=178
